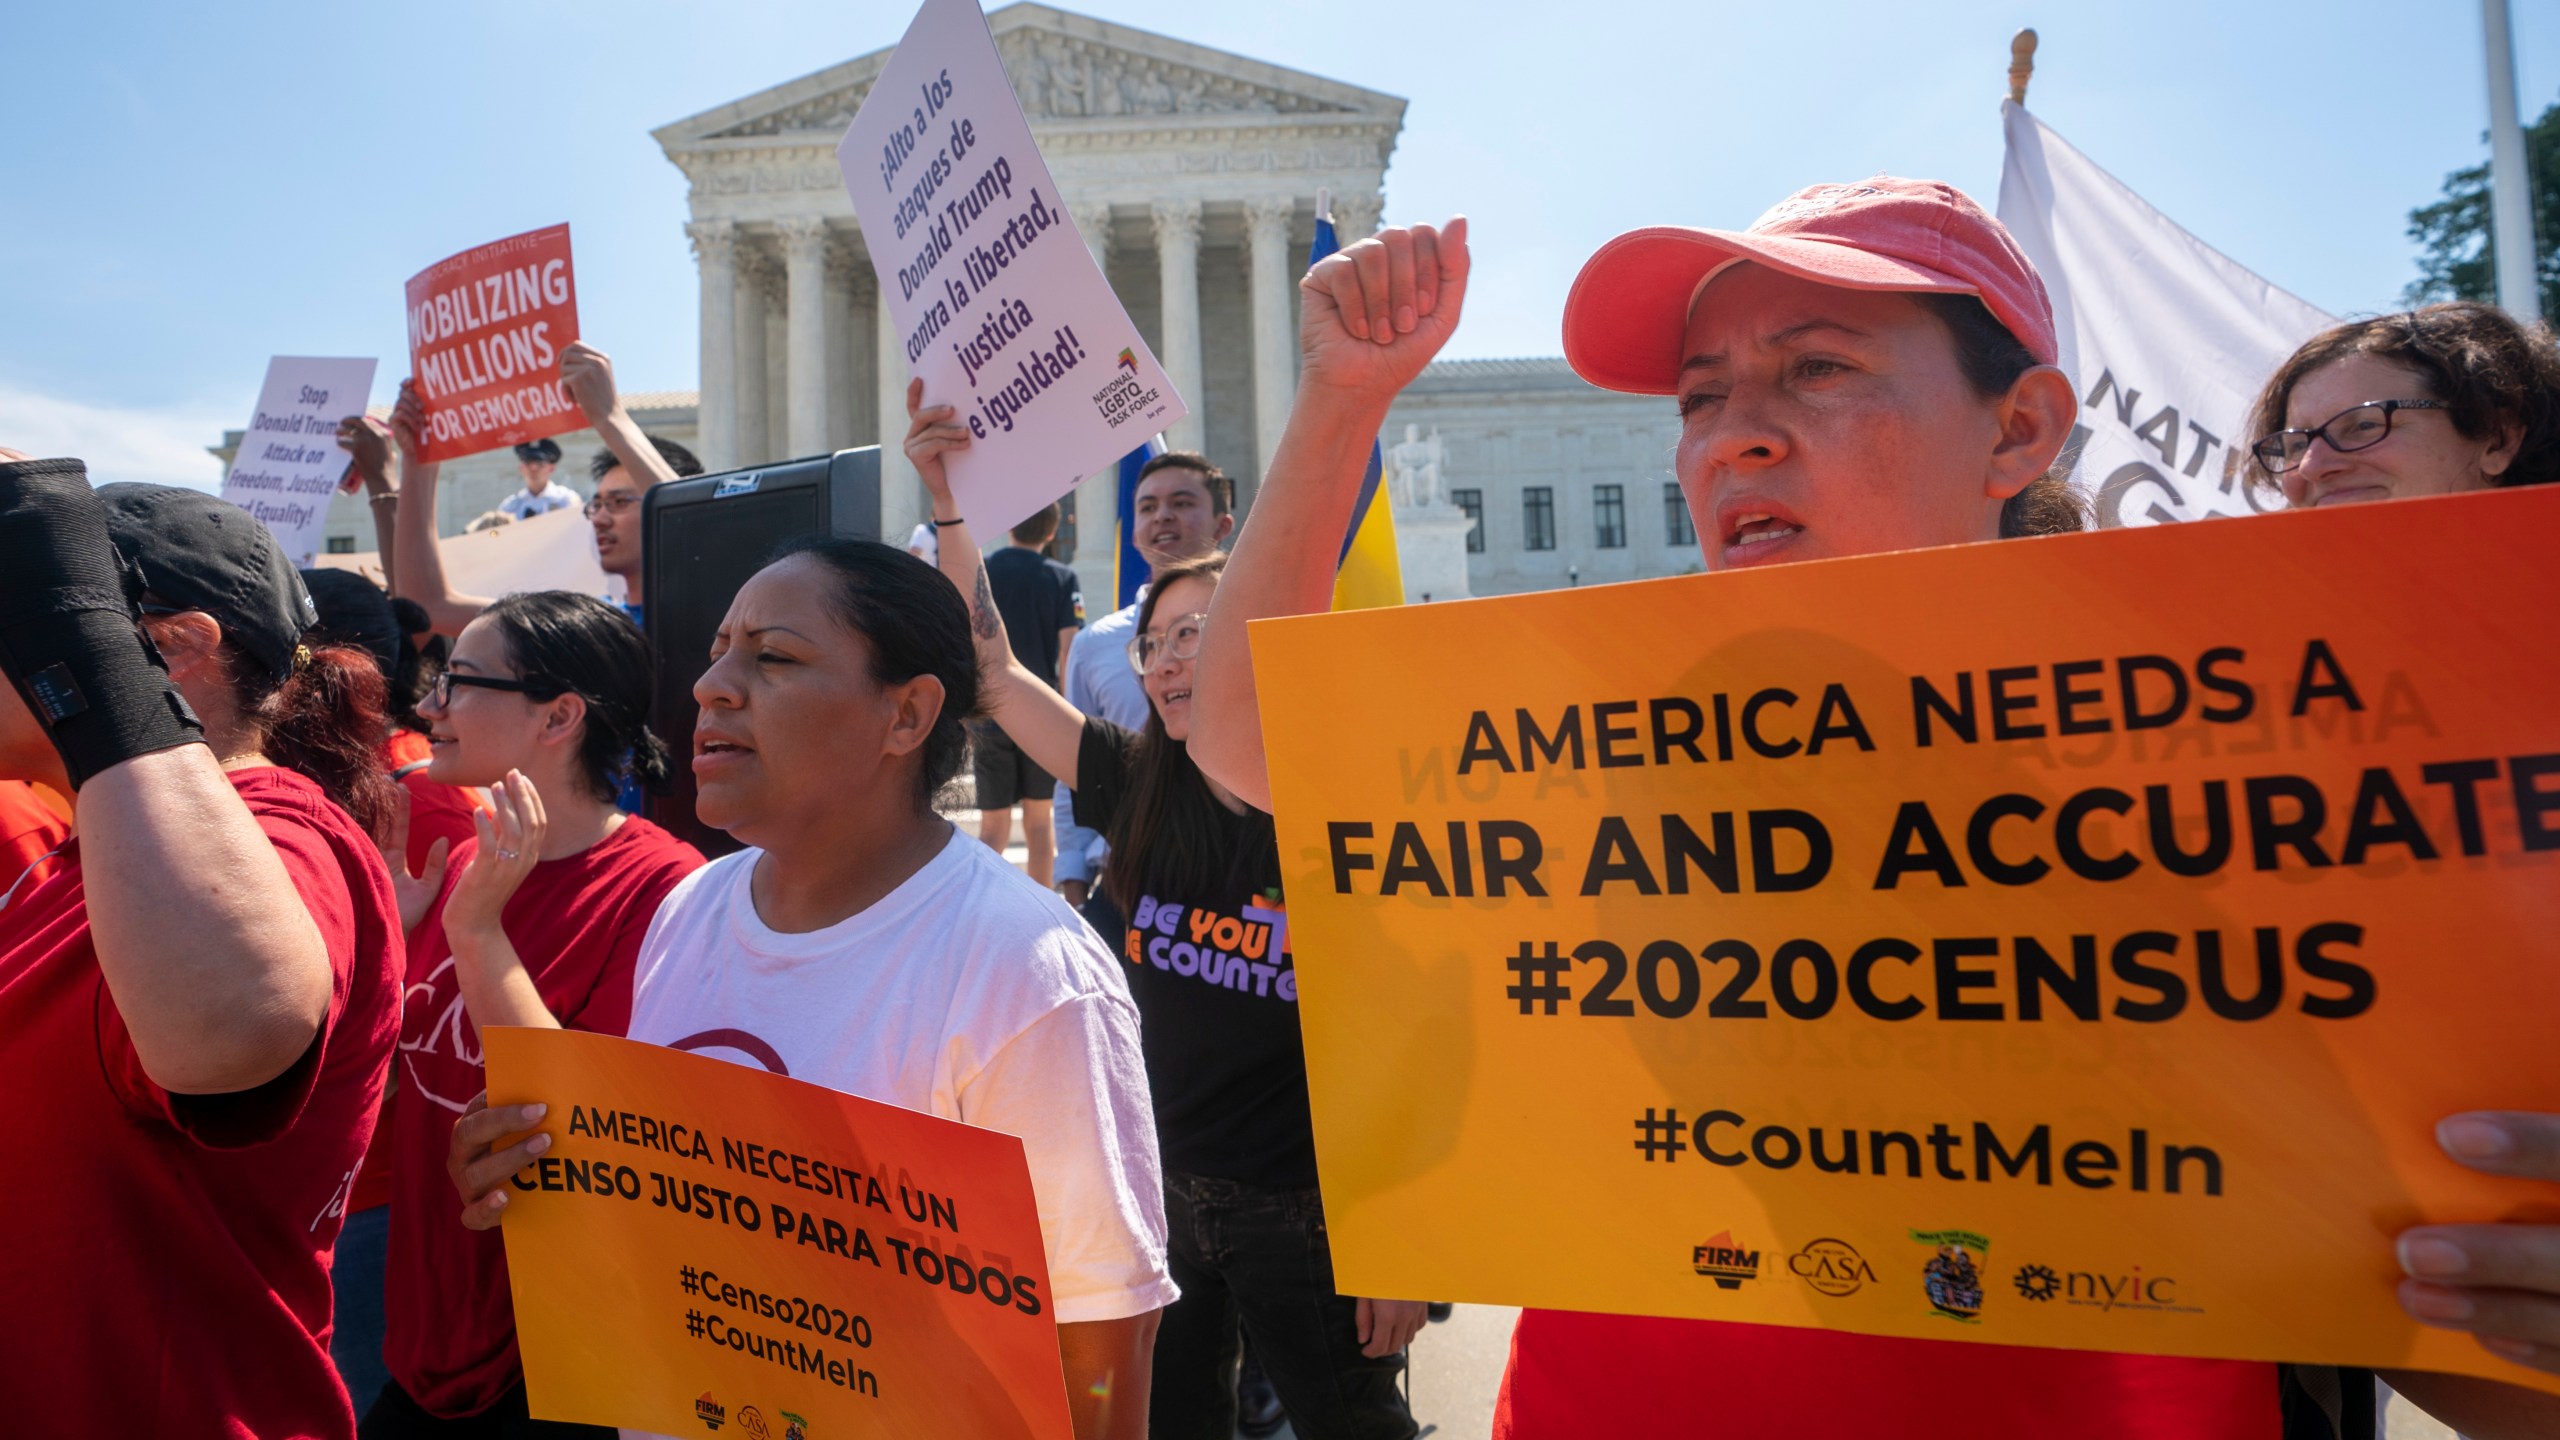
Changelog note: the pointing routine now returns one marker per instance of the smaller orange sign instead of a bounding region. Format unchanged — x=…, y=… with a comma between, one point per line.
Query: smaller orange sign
x=707, y=1247
x=486, y=328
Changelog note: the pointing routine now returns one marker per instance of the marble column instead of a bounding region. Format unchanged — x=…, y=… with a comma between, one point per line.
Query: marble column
x=715, y=248
x=1275, y=372
x=804, y=257
x=1097, y=496
x=902, y=499
x=843, y=275
x=1355, y=217
x=1178, y=262
x=754, y=432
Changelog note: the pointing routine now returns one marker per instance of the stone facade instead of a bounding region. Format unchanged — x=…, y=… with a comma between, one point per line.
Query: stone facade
x=1193, y=175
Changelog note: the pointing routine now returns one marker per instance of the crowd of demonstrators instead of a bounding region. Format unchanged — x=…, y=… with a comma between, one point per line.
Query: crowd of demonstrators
x=2466, y=399
x=1223, y=1056
x=1042, y=603
x=536, y=920
x=1869, y=369
x=1183, y=508
x=861, y=943
x=536, y=460
x=201, y=999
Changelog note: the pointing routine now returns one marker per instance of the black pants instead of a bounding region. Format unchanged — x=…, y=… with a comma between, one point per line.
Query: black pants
x=395, y=1416
x=1256, y=1262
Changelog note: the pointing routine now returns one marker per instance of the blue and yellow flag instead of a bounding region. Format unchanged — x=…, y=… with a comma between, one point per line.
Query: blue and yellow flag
x=1128, y=567
x=1368, y=576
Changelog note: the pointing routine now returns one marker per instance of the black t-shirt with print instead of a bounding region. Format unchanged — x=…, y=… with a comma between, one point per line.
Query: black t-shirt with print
x=1212, y=979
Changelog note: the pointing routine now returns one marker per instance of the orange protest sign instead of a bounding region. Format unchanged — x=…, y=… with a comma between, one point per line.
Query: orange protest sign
x=486, y=328
x=2069, y=942
x=706, y=1244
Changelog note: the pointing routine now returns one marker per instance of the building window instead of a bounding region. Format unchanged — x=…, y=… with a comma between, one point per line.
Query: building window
x=1471, y=501
x=1538, y=517
x=342, y=544
x=1675, y=516
x=1609, y=517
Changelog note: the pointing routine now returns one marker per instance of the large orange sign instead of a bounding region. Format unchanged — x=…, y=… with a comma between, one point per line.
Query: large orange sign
x=2068, y=942
x=486, y=328
x=710, y=1245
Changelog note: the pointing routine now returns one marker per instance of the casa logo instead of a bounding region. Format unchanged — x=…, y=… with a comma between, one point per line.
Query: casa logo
x=751, y=1423
x=2133, y=1290
x=1952, y=1277
x=1726, y=1263
x=1832, y=1267
x=794, y=1427
x=709, y=1412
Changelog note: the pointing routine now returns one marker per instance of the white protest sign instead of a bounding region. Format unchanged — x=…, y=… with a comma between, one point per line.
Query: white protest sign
x=997, y=302
x=2166, y=338
x=289, y=462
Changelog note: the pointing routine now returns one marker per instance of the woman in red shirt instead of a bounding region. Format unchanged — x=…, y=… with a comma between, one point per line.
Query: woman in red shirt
x=535, y=921
x=201, y=999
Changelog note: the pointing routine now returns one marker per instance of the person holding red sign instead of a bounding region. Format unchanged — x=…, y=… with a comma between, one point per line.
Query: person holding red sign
x=1869, y=368
x=200, y=1001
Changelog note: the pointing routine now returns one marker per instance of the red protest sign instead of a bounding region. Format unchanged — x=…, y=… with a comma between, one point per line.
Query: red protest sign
x=485, y=332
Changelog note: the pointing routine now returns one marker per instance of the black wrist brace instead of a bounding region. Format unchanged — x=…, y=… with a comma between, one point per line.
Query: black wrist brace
x=68, y=635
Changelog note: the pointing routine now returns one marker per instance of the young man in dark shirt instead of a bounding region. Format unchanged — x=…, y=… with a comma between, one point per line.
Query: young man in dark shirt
x=1043, y=607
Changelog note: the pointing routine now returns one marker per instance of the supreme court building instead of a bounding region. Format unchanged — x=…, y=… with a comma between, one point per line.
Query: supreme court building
x=1193, y=176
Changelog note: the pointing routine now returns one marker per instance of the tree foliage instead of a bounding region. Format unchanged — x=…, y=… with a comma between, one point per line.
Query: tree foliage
x=2457, y=257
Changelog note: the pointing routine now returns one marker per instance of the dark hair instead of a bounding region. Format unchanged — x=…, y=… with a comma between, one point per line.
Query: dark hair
x=588, y=648
x=1222, y=491
x=1992, y=359
x=2490, y=371
x=916, y=625
x=324, y=722
x=678, y=459
x=1038, y=527
x=1167, y=834
x=417, y=666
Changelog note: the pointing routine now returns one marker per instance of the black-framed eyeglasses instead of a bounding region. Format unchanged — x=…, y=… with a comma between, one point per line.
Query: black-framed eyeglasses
x=2357, y=427
x=619, y=504
x=441, y=692
x=1181, y=640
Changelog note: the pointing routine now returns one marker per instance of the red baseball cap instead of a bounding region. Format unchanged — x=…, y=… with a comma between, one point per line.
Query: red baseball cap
x=1630, y=306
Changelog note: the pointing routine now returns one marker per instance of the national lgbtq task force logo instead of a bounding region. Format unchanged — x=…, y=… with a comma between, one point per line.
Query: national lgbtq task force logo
x=1832, y=1267
x=709, y=1411
x=1952, y=1278
x=1726, y=1263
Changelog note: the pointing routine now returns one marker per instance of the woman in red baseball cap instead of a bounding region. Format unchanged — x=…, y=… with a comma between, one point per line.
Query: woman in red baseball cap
x=1867, y=368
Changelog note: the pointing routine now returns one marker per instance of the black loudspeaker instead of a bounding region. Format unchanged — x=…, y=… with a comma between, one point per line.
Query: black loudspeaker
x=704, y=537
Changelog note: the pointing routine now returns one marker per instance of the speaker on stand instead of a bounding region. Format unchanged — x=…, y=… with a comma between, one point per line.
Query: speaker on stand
x=702, y=539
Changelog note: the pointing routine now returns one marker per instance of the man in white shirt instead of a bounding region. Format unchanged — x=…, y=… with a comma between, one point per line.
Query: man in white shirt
x=535, y=460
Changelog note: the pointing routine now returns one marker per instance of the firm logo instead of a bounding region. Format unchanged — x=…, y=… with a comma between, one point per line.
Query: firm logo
x=1725, y=1262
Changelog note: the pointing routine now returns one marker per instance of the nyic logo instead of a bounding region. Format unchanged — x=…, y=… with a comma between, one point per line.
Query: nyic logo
x=709, y=1411
x=1832, y=1267
x=1952, y=1278
x=2133, y=1290
x=1726, y=1263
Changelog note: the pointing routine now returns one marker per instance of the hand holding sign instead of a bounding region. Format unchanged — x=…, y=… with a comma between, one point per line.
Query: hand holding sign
x=2499, y=1282
x=1373, y=314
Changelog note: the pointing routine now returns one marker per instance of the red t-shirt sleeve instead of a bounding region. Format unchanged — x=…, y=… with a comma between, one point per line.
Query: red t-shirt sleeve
x=606, y=1008
x=436, y=812
x=251, y=1117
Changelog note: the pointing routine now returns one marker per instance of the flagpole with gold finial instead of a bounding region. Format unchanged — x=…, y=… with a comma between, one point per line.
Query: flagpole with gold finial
x=2022, y=65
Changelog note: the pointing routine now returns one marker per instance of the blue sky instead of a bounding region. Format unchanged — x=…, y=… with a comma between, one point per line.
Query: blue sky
x=190, y=189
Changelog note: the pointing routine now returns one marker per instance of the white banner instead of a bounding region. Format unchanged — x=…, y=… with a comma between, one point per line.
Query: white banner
x=998, y=304
x=289, y=462
x=2167, y=339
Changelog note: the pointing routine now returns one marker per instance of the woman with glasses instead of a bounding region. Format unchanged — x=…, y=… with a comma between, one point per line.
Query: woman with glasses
x=2434, y=401
x=536, y=920
x=1192, y=902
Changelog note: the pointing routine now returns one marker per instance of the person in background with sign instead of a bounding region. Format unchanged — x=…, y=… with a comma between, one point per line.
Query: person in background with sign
x=1867, y=369
x=1196, y=871
x=586, y=375
x=1043, y=605
x=536, y=460
x=537, y=921
x=2434, y=401
x=1184, y=509
x=200, y=1001
x=865, y=945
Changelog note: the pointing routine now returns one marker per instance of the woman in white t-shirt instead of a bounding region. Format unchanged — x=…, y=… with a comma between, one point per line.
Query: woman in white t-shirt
x=864, y=945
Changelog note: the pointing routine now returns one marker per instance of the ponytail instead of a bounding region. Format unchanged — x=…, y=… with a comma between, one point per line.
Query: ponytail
x=326, y=722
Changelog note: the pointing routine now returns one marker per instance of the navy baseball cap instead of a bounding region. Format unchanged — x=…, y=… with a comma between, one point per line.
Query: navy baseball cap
x=201, y=552
x=545, y=451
